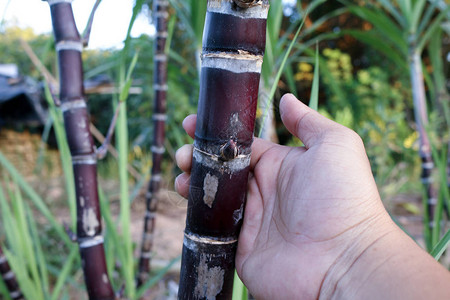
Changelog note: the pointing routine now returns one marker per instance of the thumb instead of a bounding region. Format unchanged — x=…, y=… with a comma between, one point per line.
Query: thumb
x=305, y=123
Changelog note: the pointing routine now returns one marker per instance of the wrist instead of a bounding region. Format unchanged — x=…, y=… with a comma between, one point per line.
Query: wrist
x=369, y=247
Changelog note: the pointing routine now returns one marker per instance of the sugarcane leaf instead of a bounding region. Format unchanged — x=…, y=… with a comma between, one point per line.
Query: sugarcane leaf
x=198, y=13
x=314, y=98
x=320, y=21
x=429, y=12
x=4, y=292
x=290, y=80
x=435, y=50
x=417, y=13
x=128, y=80
x=280, y=71
x=239, y=289
x=39, y=252
x=19, y=268
x=274, y=19
x=34, y=197
x=182, y=11
x=28, y=249
x=157, y=277
x=10, y=229
x=112, y=238
x=136, y=10
x=405, y=7
x=441, y=246
x=64, y=152
x=375, y=41
x=64, y=274
x=394, y=12
x=384, y=25
x=170, y=31
x=431, y=29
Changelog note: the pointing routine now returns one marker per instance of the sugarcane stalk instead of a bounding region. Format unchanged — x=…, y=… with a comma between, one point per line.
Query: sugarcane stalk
x=421, y=118
x=233, y=49
x=84, y=158
x=161, y=15
x=9, y=277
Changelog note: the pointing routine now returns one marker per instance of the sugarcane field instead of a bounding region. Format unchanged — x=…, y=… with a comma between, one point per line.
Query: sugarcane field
x=224, y=149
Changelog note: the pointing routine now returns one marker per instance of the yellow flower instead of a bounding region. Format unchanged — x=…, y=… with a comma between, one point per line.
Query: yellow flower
x=410, y=140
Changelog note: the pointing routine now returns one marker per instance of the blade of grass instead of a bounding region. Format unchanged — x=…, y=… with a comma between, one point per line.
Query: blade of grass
x=64, y=152
x=39, y=252
x=239, y=289
x=431, y=29
x=28, y=249
x=373, y=40
x=157, y=277
x=35, y=198
x=4, y=293
x=383, y=24
x=426, y=17
x=394, y=12
x=280, y=71
x=314, y=98
x=441, y=246
x=64, y=274
x=19, y=268
x=416, y=14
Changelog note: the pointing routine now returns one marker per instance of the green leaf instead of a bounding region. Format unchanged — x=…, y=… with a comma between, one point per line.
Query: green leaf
x=198, y=13
x=441, y=246
x=280, y=71
x=384, y=25
x=34, y=197
x=431, y=29
x=39, y=252
x=394, y=12
x=64, y=274
x=314, y=98
x=64, y=152
x=4, y=292
x=429, y=12
x=405, y=7
x=128, y=80
x=372, y=39
x=154, y=279
x=239, y=289
x=416, y=14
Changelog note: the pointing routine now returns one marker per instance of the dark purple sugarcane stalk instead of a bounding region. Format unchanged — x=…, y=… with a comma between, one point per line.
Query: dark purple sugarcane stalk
x=161, y=14
x=233, y=48
x=421, y=118
x=82, y=149
x=9, y=277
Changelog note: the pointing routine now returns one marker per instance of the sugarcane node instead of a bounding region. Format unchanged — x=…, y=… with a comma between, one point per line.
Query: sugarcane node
x=229, y=150
x=245, y=3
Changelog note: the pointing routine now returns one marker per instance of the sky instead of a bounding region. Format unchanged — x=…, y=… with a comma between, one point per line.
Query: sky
x=110, y=22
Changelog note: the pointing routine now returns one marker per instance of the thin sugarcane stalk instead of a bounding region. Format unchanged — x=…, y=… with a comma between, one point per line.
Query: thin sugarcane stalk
x=161, y=15
x=9, y=277
x=233, y=48
x=82, y=149
x=421, y=118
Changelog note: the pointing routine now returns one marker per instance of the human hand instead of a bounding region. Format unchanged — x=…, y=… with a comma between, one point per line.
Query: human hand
x=311, y=211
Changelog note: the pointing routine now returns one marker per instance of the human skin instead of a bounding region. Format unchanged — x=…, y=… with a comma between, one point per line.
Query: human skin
x=314, y=225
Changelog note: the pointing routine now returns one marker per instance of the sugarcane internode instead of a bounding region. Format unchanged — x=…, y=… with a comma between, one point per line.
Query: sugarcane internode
x=233, y=48
x=82, y=148
x=160, y=11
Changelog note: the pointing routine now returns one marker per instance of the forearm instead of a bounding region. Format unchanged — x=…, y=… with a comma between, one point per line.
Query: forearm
x=393, y=267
